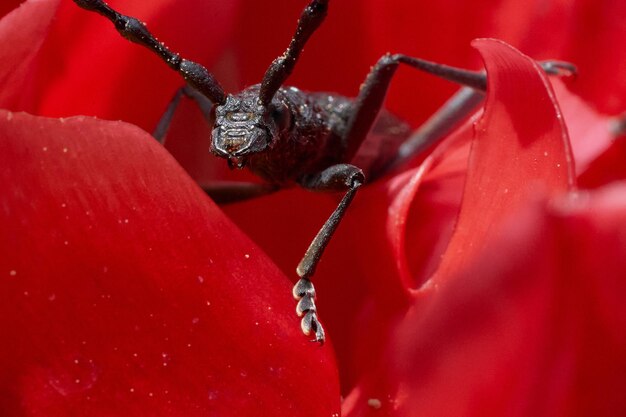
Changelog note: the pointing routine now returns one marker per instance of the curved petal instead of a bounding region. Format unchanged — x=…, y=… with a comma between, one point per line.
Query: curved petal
x=589, y=131
x=521, y=143
x=127, y=291
x=519, y=126
x=534, y=326
x=608, y=166
x=429, y=214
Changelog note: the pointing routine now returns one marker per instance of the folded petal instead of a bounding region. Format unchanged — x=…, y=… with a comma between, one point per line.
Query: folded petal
x=608, y=166
x=521, y=143
x=589, y=131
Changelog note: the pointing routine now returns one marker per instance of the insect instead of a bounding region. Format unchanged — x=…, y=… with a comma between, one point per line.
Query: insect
x=314, y=140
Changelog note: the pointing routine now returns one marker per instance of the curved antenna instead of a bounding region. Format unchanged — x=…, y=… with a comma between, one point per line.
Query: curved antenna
x=280, y=69
x=196, y=75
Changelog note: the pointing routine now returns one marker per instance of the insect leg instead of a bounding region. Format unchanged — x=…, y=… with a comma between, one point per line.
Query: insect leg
x=374, y=89
x=558, y=68
x=341, y=177
x=278, y=71
x=453, y=112
x=463, y=103
x=135, y=31
x=160, y=131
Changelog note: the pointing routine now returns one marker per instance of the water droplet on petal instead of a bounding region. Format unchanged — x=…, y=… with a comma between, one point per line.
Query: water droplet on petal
x=73, y=376
x=166, y=358
x=374, y=403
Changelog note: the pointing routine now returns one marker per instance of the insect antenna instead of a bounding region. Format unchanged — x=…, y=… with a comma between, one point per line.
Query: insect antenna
x=196, y=75
x=280, y=69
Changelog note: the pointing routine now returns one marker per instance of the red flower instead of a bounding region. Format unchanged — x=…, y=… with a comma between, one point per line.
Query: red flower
x=485, y=279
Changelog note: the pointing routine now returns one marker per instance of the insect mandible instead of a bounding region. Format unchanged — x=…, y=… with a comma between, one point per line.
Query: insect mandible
x=290, y=137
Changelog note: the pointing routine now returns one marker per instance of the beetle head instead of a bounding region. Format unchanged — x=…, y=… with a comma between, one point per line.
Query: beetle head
x=244, y=127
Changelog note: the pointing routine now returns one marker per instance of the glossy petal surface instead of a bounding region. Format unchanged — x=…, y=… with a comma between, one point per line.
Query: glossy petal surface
x=520, y=144
x=128, y=292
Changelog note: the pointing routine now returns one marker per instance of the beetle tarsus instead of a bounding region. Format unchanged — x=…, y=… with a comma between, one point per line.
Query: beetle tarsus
x=304, y=292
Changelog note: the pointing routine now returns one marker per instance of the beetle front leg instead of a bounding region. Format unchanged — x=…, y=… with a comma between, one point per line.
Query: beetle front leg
x=340, y=177
x=465, y=102
x=160, y=131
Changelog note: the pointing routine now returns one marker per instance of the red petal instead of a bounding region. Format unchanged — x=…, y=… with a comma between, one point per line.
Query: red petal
x=608, y=167
x=584, y=32
x=534, y=327
x=436, y=30
x=589, y=131
x=427, y=217
x=22, y=33
x=590, y=31
x=127, y=292
x=521, y=144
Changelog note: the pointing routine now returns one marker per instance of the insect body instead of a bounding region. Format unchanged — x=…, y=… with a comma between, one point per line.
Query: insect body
x=296, y=135
x=314, y=140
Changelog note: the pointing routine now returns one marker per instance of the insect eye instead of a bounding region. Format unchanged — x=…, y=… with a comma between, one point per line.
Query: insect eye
x=281, y=116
